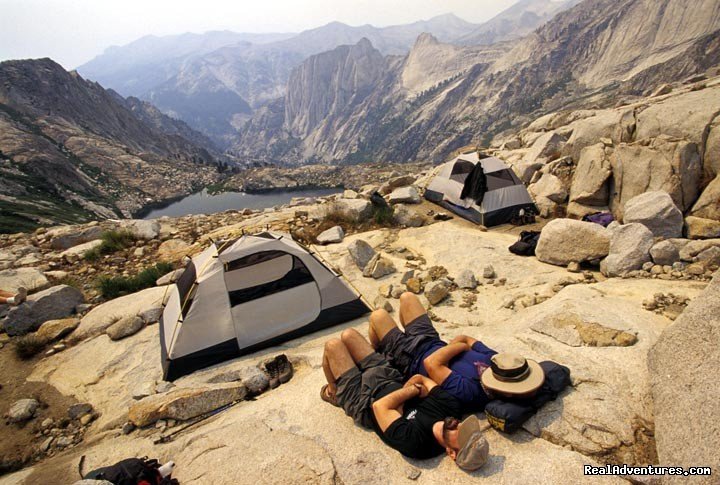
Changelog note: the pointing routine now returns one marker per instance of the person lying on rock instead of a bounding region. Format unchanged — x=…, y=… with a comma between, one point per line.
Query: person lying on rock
x=418, y=418
x=13, y=299
x=456, y=366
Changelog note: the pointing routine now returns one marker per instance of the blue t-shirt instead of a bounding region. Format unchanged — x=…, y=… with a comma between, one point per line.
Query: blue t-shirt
x=464, y=380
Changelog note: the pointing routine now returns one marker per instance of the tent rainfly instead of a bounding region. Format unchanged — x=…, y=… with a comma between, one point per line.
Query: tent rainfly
x=481, y=189
x=244, y=295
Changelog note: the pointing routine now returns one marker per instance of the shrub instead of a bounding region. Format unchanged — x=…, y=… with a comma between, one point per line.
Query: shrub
x=121, y=285
x=28, y=346
x=112, y=241
x=383, y=215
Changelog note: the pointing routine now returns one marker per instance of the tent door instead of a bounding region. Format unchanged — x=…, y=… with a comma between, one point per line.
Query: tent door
x=273, y=295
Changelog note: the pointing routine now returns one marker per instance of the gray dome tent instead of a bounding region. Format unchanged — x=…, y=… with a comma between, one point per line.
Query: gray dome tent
x=244, y=295
x=482, y=190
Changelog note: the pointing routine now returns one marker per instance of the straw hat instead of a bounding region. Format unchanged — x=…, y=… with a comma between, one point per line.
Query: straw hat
x=512, y=374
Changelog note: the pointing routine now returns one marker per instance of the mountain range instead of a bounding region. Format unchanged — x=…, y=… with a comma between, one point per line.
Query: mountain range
x=216, y=81
x=72, y=151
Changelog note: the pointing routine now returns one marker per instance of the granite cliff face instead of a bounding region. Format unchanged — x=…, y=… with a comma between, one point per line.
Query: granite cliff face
x=70, y=150
x=588, y=55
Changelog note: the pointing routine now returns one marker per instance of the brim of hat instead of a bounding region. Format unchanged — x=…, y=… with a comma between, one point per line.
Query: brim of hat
x=532, y=383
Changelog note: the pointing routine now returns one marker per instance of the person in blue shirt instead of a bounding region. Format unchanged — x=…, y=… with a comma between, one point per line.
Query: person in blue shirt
x=455, y=366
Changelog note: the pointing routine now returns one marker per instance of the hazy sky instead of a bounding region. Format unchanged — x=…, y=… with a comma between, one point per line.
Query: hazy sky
x=74, y=31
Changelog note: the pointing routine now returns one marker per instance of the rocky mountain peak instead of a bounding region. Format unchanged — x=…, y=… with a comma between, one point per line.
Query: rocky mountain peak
x=424, y=39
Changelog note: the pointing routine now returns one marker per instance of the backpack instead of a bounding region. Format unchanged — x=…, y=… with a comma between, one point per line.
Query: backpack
x=509, y=416
x=131, y=471
x=527, y=243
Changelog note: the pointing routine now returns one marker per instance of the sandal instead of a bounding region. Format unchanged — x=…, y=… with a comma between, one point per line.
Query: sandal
x=327, y=398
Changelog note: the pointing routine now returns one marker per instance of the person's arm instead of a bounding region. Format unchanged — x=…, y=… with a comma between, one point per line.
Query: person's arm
x=436, y=365
x=466, y=339
x=388, y=409
x=426, y=383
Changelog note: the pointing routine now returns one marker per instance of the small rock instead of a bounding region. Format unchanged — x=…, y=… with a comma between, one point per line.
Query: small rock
x=143, y=390
x=414, y=285
x=64, y=441
x=255, y=379
x=382, y=303
x=406, y=276
x=332, y=235
x=47, y=422
x=488, y=272
x=436, y=291
x=412, y=473
x=85, y=420
x=139, y=252
x=466, y=279
x=46, y=444
x=163, y=386
x=151, y=315
x=695, y=269
x=22, y=410
x=385, y=290
x=128, y=428
x=78, y=410
x=573, y=267
x=361, y=253
x=170, y=277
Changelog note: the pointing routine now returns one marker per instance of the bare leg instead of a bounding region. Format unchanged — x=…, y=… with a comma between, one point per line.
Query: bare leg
x=380, y=324
x=410, y=308
x=336, y=361
x=6, y=294
x=356, y=344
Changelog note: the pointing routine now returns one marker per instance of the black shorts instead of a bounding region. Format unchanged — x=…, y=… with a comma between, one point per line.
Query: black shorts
x=361, y=386
x=402, y=348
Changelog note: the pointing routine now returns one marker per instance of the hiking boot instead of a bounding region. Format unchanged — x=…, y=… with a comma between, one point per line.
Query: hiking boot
x=271, y=368
x=284, y=368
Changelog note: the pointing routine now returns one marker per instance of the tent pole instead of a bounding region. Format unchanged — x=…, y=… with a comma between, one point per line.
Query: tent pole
x=326, y=263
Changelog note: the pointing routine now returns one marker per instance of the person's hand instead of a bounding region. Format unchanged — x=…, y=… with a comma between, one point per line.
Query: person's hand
x=416, y=379
x=422, y=390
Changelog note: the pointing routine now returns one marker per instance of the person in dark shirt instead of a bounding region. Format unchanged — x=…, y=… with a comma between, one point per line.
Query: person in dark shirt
x=456, y=366
x=418, y=418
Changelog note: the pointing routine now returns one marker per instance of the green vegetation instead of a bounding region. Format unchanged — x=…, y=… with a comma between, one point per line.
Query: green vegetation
x=28, y=346
x=112, y=241
x=383, y=215
x=121, y=285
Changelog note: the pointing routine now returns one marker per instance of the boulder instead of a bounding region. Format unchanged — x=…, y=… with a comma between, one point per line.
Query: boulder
x=692, y=342
x=525, y=170
x=51, y=304
x=125, y=327
x=563, y=241
x=401, y=181
x=22, y=410
x=332, y=235
x=710, y=258
x=664, y=253
x=32, y=279
x=173, y=250
x=142, y=229
x=102, y=316
x=353, y=209
x=656, y=211
x=700, y=228
x=670, y=166
x=65, y=237
x=436, y=291
x=576, y=330
x=546, y=148
x=361, y=253
x=590, y=181
x=405, y=195
x=466, y=279
x=691, y=249
x=349, y=194
x=56, y=329
x=185, y=403
x=404, y=216
x=629, y=249
x=708, y=204
x=78, y=252
x=550, y=187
